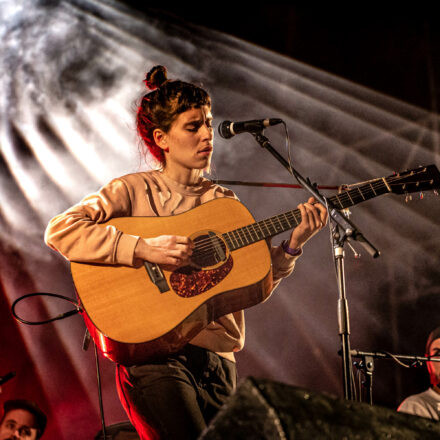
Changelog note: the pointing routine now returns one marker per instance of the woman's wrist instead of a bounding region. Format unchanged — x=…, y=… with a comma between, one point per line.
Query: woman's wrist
x=141, y=249
x=292, y=251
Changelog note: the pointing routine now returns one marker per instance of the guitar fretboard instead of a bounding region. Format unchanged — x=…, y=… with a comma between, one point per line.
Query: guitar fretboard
x=283, y=222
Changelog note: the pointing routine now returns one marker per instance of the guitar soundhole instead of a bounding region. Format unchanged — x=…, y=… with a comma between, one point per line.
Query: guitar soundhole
x=209, y=250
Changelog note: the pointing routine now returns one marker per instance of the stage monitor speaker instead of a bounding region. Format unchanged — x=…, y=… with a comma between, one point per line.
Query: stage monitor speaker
x=119, y=431
x=265, y=410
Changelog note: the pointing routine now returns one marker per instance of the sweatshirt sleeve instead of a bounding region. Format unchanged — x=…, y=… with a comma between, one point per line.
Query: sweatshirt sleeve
x=282, y=264
x=79, y=235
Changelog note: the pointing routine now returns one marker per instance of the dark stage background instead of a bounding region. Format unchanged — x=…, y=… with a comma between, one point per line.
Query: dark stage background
x=359, y=93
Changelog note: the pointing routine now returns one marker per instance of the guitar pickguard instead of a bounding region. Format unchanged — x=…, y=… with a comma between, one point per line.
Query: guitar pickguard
x=189, y=281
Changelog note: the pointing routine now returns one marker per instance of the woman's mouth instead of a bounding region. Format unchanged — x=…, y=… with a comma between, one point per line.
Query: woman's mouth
x=205, y=151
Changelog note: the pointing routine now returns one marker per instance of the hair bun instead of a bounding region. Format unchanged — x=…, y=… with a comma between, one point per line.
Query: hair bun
x=156, y=77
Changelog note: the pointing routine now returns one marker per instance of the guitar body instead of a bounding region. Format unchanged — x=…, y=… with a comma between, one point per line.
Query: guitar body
x=133, y=321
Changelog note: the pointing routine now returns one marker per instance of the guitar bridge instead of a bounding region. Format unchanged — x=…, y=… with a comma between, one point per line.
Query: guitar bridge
x=156, y=276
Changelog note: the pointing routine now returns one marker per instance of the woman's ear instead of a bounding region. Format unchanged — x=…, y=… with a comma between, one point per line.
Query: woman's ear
x=160, y=137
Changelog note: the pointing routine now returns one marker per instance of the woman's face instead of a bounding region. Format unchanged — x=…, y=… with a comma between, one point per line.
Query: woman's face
x=189, y=142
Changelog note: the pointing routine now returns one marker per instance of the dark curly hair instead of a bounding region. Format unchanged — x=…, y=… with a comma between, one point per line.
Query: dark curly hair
x=160, y=107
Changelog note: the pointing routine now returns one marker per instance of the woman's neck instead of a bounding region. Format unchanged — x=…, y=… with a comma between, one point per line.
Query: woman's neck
x=187, y=177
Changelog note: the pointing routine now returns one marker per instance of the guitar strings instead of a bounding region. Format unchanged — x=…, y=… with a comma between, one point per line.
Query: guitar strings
x=205, y=246
x=245, y=235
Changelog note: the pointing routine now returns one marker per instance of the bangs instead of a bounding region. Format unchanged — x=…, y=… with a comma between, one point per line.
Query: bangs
x=186, y=96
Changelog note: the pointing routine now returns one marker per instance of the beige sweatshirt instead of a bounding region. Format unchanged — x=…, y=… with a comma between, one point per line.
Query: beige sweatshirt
x=78, y=236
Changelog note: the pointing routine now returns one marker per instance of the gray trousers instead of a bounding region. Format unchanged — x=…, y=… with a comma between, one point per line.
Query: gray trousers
x=176, y=398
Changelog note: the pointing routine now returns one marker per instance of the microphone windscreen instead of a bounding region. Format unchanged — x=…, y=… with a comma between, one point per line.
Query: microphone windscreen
x=224, y=129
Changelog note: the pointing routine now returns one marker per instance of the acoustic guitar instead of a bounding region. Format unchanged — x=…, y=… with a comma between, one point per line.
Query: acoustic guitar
x=136, y=314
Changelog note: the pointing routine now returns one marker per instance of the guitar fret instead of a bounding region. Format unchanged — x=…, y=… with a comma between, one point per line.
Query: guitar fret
x=355, y=197
x=279, y=222
x=295, y=213
x=267, y=229
x=337, y=199
x=249, y=233
x=372, y=187
x=238, y=238
x=230, y=240
x=349, y=196
x=273, y=224
x=286, y=219
x=261, y=229
x=249, y=230
x=360, y=192
x=254, y=231
x=386, y=184
x=244, y=234
x=227, y=240
x=292, y=219
x=269, y=226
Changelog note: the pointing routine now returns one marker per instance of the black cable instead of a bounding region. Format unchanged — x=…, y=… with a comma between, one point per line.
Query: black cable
x=62, y=316
x=101, y=406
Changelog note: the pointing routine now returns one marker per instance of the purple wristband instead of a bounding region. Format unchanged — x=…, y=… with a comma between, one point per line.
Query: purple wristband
x=291, y=251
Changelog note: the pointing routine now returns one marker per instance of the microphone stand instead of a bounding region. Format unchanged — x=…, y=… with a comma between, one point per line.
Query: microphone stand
x=366, y=365
x=343, y=230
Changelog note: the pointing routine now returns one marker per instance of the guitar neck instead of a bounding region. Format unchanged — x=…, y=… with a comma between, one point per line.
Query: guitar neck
x=277, y=224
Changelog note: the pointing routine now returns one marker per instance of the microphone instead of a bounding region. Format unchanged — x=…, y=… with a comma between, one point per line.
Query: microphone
x=227, y=129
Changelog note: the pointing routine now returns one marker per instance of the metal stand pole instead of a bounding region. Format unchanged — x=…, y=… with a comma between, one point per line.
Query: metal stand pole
x=344, y=229
x=343, y=321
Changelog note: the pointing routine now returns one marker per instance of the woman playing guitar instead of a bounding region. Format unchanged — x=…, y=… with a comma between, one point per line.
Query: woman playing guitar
x=175, y=396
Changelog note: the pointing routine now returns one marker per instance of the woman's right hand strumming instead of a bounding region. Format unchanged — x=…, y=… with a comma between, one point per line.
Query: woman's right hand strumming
x=169, y=250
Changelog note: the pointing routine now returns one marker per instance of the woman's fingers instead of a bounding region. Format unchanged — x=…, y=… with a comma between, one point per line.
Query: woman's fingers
x=172, y=250
x=180, y=239
x=313, y=218
x=313, y=215
x=320, y=213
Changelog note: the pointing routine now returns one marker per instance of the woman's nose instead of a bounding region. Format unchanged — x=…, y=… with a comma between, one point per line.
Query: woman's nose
x=208, y=131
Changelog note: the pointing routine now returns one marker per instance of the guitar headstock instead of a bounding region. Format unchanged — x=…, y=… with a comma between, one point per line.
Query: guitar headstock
x=420, y=179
